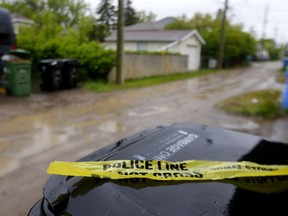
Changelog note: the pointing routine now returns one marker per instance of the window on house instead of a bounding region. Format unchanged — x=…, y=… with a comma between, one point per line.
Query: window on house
x=142, y=46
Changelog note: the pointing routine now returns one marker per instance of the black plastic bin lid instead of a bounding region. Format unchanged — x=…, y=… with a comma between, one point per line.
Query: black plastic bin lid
x=50, y=61
x=72, y=61
x=20, y=53
x=57, y=63
x=176, y=142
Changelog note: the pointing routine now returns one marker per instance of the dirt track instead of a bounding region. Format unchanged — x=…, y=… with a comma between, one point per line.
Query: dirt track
x=67, y=125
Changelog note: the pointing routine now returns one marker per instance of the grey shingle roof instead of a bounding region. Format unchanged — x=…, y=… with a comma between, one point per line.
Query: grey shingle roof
x=19, y=18
x=154, y=32
x=156, y=36
x=146, y=26
x=150, y=26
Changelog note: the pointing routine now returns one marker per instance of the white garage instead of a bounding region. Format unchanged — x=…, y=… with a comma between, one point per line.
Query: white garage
x=151, y=36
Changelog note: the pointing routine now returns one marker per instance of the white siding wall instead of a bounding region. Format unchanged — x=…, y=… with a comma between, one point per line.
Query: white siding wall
x=17, y=25
x=109, y=45
x=190, y=47
x=155, y=46
x=133, y=46
x=175, y=49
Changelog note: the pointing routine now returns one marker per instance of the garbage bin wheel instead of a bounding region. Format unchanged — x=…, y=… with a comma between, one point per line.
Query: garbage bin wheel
x=72, y=82
x=8, y=91
x=56, y=80
x=75, y=83
x=1, y=74
x=56, y=85
x=42, y=88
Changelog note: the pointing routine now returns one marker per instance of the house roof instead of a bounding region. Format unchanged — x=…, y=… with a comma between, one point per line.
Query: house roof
x=156, y=36
x=150, y=26
x=146, y=26
x=154, y=32
x=20, y=19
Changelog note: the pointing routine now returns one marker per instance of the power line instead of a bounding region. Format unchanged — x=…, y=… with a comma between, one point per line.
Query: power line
x=255, y=7
x=218, y=1
x=251, y=7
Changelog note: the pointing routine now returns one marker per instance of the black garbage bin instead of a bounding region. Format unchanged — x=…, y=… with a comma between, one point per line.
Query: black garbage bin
x=69, y=73
x=51, y=74
x=71, y=195
x=58, y=74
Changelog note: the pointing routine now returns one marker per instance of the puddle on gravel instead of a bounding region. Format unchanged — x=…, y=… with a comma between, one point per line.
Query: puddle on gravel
x=153, y=110
x=244, y=125
x=110, y=126
x=7, y=164
x=29, y=135
x=3, y=145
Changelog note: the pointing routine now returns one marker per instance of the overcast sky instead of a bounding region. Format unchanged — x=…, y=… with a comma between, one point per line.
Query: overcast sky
x=249, y=12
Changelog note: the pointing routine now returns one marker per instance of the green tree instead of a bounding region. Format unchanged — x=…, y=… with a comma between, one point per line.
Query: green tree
x=201, y=22
x=107, y=14
x=27, y=8
x=130, y=16
x=98, y=31
x=239, y=44
x=271, y=46
x=66, y=13
x=143, y=16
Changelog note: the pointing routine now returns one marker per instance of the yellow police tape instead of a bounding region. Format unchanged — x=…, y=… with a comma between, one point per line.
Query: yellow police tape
x=247, y=175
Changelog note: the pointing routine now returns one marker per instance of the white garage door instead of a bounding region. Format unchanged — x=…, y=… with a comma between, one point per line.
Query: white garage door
x=193, y=53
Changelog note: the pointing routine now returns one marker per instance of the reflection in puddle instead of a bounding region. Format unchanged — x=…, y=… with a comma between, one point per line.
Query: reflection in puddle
x=150, y=111
x=65, y=134
x=7, y=164
x=245, y=125
x=110, y=126
x=3, y=145
x=26, y=136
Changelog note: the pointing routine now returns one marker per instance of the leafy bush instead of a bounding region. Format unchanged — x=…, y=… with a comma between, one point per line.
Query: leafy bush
x=94, y=61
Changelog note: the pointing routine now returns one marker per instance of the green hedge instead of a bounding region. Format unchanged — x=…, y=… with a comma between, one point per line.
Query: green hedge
x=94, y=60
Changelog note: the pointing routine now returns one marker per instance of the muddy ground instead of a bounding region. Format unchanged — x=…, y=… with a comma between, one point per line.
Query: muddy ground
x=67, y=125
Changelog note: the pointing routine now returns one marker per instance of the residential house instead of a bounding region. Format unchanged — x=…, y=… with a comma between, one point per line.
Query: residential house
x=261, y=53
x=151, y=36
x=19, y=20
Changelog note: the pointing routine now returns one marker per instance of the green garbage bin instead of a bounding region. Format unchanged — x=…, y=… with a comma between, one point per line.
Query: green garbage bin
x=18, y=75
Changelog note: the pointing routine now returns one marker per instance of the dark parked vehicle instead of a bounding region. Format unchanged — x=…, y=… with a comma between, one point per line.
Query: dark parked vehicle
x=7, y=36
x=67, y=195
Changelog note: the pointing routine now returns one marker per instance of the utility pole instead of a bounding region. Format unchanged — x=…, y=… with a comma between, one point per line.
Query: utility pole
x=276, y=31
x=222, y=37
x=265, y=21
x=120, y=42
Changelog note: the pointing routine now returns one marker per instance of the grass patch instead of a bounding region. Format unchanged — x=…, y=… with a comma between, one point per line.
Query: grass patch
x=101, y=86
x=280, y=77
x=262, y=103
